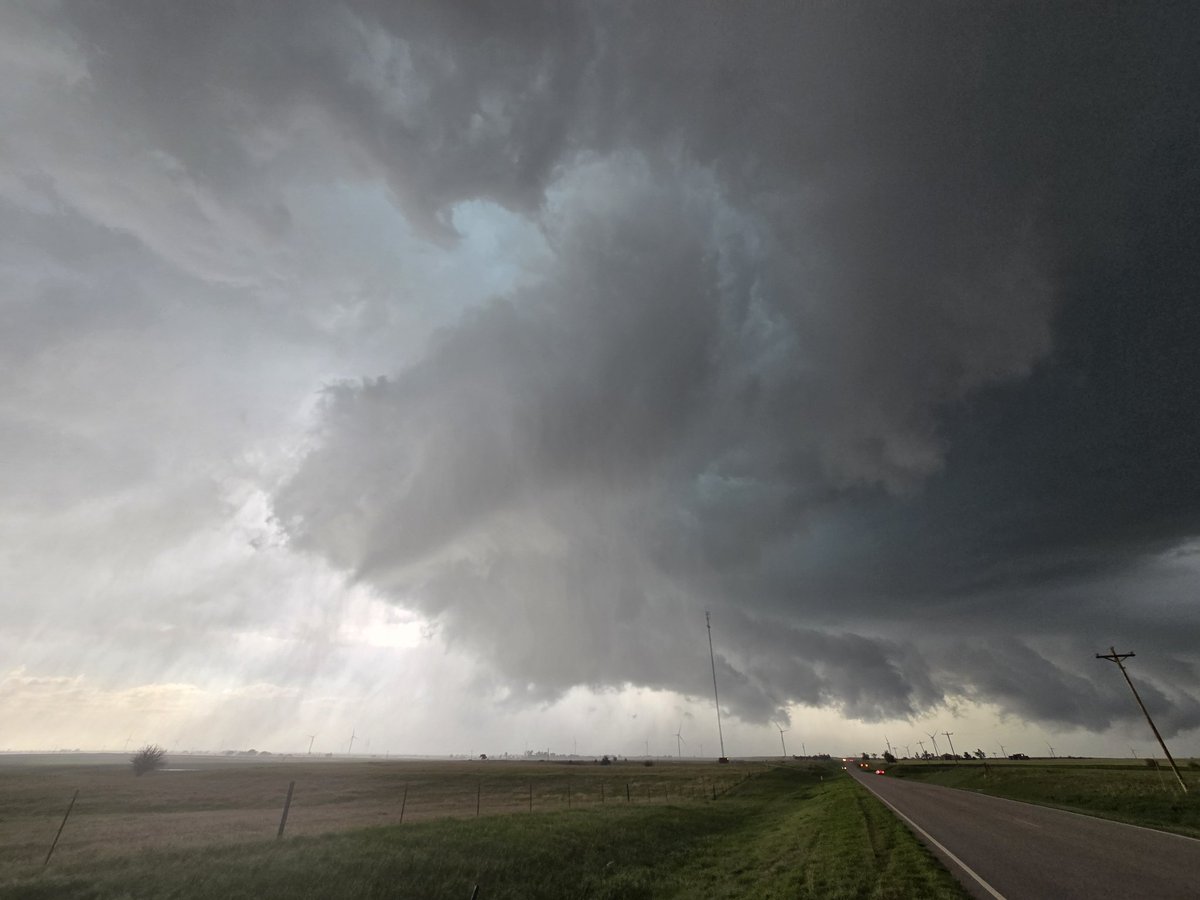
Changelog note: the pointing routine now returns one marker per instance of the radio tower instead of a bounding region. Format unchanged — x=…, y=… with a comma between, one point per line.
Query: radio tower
x=713, y=662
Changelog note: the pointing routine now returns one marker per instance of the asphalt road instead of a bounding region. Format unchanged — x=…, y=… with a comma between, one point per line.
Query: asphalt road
x=1006, y=850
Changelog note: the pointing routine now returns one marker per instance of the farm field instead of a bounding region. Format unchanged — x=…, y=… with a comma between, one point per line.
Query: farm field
x=1122, y=790
x=800, y=830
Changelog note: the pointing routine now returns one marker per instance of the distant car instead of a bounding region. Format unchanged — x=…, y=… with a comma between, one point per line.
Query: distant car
x=880, y=772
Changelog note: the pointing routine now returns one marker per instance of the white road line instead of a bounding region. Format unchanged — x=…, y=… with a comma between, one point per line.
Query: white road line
x=958, y=862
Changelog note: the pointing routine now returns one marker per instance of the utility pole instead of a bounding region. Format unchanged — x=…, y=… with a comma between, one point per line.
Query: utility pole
x=1118, y=658
x=713, y=662
x=952, y=751
x=889, y=743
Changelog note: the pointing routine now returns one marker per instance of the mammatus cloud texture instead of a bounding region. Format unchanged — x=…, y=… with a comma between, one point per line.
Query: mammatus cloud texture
x=867, y=327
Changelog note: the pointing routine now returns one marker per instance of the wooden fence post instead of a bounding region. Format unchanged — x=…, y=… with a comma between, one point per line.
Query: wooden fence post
x=403, y=803
x=287, y=804
x=478, y=796
x=70, y=806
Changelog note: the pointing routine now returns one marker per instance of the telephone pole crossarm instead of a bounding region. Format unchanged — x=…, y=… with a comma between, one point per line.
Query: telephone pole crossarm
x=1119, y=658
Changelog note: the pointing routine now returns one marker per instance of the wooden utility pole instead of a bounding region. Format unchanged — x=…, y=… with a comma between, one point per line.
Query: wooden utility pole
x=953, y=752
x=1118, y=658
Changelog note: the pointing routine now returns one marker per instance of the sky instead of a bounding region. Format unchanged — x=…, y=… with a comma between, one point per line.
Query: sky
x=423, y=373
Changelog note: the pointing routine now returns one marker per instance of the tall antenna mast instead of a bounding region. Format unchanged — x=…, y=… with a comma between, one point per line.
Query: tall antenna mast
x=713, y=661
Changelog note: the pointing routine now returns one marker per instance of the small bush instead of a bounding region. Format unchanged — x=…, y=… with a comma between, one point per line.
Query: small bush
x=148, y=759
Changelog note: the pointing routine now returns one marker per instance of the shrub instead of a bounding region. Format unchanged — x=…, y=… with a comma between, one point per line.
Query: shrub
x=148, y=759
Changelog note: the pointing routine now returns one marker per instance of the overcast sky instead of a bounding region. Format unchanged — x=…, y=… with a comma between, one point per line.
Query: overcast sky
x=427, y=370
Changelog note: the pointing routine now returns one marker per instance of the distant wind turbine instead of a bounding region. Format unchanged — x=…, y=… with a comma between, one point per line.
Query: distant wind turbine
x=351, y=747
x=936, y=751
x=679, y=741
x=311, y=738
x=782, y=743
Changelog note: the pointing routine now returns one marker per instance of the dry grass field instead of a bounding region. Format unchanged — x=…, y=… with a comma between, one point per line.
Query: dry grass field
x=201, y=801
x=619, y=832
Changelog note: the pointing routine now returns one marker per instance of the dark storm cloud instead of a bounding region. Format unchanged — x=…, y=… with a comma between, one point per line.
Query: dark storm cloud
x=867, y=326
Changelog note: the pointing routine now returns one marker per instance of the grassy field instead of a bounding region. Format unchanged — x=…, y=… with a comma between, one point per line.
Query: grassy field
x=1124, y=790
x=786, y=831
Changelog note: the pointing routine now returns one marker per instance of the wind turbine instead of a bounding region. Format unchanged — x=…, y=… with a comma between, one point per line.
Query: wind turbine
x=1052, y=756
x=679, y=741
x=351, y=747
x=922, y=743
x=933, y=737
x=782, y=743
x=1003, y=752
x=311, y=738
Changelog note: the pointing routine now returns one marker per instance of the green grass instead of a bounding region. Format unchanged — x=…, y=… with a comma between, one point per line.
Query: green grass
x=1129, y=792
x=796, y=832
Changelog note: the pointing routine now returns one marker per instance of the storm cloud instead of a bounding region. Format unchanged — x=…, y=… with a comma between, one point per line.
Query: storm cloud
x=868, y=328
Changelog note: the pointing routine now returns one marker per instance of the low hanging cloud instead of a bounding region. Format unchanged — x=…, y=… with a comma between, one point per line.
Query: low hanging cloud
x=779, y=266
x=866, y=328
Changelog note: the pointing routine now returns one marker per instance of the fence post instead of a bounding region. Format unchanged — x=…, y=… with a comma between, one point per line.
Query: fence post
x=478, y=795
x=531, y=796
x=70, y=806
x=627, y=797
x=403, y=803
x=287, y=804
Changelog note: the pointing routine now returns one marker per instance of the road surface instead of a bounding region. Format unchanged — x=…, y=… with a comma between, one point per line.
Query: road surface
x=1006, y=850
